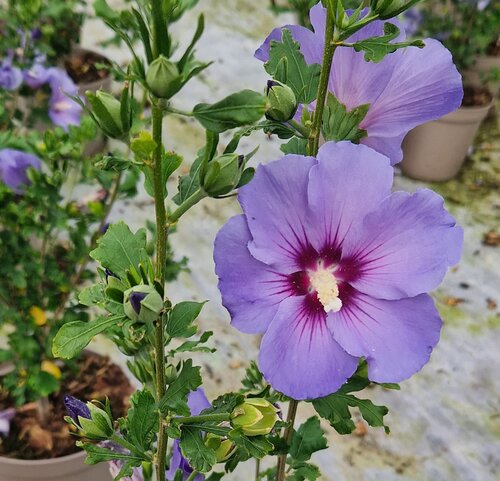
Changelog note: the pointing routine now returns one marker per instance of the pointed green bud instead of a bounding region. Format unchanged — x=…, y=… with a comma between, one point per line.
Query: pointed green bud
x=106, y=111
x=386, y=9
x=163, y=78
x=224, y=448
x=256, y=416
x=223, y=174
x=142, y=303
x=170, y=374
x=282, y=101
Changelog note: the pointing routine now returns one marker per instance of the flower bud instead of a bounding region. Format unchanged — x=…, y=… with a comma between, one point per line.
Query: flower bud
x=163, y=78
x=386, y=9
x=142, y=303
x=223, y=174
x=106, y=111
x=282, y=101
x=255, y=417
x=224, y=448
x=93, y=422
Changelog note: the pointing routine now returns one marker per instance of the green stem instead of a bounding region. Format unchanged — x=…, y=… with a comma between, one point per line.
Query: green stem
x=292, y=412
x=193, y=475
x=173, y=110
x=204, y=418
x=125, y=444
x=257, y=470
x=304, y=131
x=186, y=205
x=326, y=67
x=161, y=254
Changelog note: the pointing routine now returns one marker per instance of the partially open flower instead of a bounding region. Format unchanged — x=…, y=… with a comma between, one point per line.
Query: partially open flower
x=93, y=422
x=142, y=303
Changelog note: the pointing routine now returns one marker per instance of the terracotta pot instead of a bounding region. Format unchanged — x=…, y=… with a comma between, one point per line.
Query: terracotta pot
x=435, y=151
x=480, y=70
x=66, y=468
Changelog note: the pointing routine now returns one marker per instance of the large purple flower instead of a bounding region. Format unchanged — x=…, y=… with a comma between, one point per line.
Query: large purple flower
x=64, y=111
x=406, y=89
x=197, y=402
x=14, y=165
x=332, y=267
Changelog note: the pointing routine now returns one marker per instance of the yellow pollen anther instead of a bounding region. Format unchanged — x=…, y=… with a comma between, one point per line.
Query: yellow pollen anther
x=325, y=284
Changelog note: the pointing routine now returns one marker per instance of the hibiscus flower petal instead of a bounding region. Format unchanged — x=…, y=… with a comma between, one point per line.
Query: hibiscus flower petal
x=277, y=214
x=395, y=337
x=388, y=146
x=250, y=290
x=404, y=247
x=347, y=183
x=424, y=86
x=299, y=356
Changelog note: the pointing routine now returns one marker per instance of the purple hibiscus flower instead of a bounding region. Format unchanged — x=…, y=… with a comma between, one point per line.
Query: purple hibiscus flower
x=64, y=111
x=76, y=408
x=6, y=417
x=406, y=89
x=14, y=165
x=11, y=77
x=332, y=267
x=38, y=74
x=197, y=402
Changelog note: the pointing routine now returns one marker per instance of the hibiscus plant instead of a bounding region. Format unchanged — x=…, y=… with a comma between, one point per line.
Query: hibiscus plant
x=325, y=262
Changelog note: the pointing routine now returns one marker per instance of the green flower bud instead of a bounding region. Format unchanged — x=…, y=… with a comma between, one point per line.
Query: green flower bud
x=255, y=416
x=106, y=111
x=224, y=448
x=142, y=303
x=170, y=374
x=163, y=78
x=282, y=102
x=390, y=8
x=223, y=174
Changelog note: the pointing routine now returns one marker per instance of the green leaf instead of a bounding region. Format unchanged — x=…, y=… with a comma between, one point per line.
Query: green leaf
x=253, y=446
x=170, y=163
x=304, y=472
x=181, y=318
x=341, y=124
x=43, y=383
x=96, y=454
x=119, y=249
x=175, y=399
x=215, y=477
x=308, y=439
x=200, y=456
x=242, y=108
x=142, y=420
x=295, y=146
x=143, y=146
x=74, y=336
x=376, y=48
x=287, y=65
x=194, y=346
x=95, y=296
x=335, y=408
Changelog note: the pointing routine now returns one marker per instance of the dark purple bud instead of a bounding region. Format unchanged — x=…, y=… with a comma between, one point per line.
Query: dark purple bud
x=36, y=34
x=135, y=299
x=104, y=228
x=270, y=85
x=76, y=408
x=110, y=274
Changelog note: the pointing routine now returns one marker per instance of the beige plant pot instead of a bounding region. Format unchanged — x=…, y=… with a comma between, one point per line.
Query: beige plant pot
x=480, y=70
x=66, y=468
x=435, y=151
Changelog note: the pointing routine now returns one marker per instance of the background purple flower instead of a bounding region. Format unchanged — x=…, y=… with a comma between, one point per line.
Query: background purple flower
x=332, y=267
x=407, y=88
x=38, y=74
x=197, y=402
x=64, y=111
x=411, y=21
x=6, y=417
x=11, y=77
x=13, y=168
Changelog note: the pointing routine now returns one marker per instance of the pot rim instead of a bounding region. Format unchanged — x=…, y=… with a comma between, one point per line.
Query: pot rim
x=43, y=462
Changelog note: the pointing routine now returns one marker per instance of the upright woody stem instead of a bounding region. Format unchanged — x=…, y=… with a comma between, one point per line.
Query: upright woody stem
x=326, y=67
x=161, y=253
x=312, y=148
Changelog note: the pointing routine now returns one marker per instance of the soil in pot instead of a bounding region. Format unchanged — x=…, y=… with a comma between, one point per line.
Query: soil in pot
x=435, y=151
x=85, y=67
x=96, y=377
